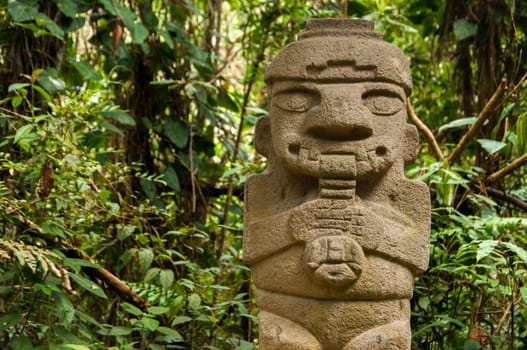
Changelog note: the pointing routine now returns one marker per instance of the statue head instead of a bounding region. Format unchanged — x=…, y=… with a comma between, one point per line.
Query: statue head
x=337, y=103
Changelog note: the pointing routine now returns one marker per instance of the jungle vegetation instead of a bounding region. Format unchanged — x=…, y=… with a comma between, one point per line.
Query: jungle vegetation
x=126, y=136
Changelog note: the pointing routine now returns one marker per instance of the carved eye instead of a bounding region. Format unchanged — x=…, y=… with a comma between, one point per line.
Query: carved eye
x=297, y=100
x=382, y=102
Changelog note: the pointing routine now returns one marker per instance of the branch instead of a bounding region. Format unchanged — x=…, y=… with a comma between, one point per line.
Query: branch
x=507, y=198
x=515, y=164
x=428, y=133
x=111, y=280
x=94, y=272
x=489, y=107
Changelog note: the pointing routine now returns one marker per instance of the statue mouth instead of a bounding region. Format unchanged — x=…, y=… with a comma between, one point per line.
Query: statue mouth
x=341, y=133
x=337, y=159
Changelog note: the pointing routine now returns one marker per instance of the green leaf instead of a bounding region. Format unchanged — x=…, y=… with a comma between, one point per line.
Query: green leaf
x=50, y=25
x=180, y=320
x=5, y=290
x=173, y=334
x=151, y=273
x=120, y=116
x=194, y=301
x=225, y=101
x=521, y=133
x=65, y=309
x=149, y=188
x=42, y=92
x=139, y=33
x=115, y=331
x=128, y=16
x=21, y=342
x=124, y=232
x=471, y=345
x=76, y=264
x=16, y=101
x=485, y=248
x=24, y=133
x=166, y=278
x=158, y=310
x=70, y=7
x=491, y=146
x=109, y=126
x=150, y=323
x=519, y=251
x=457, y=123
x=50, y=81
x=146, y=256
x=22, y=10
x=245, y=345
x=131, y=309
x=17, y=86
x=88, y=285
x=464, y=29
x=108, y=6
x=74, y=347
x=424, y=302
x=86, y=70
x=177, y=131
x=170, y=176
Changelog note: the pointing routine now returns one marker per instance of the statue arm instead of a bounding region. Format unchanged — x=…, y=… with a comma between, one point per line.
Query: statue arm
x=402, y=232
x=267, y=236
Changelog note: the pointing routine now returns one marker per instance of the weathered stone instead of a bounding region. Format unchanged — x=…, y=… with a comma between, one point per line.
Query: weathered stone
x=334, y=232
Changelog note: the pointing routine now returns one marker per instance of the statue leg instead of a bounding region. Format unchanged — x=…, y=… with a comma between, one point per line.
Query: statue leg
x=279, y=333
x=390, y=336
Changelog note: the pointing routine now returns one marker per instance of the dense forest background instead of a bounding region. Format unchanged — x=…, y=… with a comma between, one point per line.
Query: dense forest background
x=126, y=138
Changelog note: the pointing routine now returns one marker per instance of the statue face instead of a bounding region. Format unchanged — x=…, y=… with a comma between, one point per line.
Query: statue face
x=344, y=130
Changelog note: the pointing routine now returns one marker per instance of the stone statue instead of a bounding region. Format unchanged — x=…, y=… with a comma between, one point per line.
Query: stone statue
x=334, y=232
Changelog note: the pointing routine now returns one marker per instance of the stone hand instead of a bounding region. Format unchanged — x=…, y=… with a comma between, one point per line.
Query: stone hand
x=329, y=217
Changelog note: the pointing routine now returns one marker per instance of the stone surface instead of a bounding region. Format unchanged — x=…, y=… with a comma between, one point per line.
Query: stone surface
x=334, y=232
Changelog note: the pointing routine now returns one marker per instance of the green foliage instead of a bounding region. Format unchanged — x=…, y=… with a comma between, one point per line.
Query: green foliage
x=127, y=130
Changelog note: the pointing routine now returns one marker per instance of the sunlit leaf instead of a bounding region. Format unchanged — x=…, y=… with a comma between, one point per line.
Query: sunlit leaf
x=166, y=278
x=491, y=146
x=146, y=256
x=457, y=123
x=17, y=86
x=485, y=248
x=150, y=323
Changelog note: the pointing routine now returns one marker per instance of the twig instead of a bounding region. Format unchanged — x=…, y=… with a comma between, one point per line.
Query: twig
x=428, y=133
x=515, y=164
x=191, y=163
x=489, y=107
x=517, y=85
x=507, y=198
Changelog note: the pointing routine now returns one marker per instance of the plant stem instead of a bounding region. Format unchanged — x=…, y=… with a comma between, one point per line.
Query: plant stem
x=515, y=164
x=428, y=133
x=494, y=101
